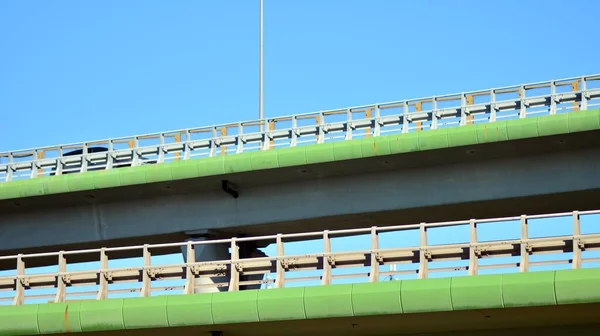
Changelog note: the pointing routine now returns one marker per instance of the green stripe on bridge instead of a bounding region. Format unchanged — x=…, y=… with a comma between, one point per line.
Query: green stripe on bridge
x=394, y=297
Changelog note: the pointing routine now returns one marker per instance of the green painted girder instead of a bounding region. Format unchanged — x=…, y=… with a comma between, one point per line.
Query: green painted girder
x=306, y=155
x=394, y=297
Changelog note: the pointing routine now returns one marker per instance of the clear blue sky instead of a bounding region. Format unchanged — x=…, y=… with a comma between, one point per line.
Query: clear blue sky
x=82, y=70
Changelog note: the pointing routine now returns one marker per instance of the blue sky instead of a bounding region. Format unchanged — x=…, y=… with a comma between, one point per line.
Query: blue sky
x=74, y=71
x=82, y=70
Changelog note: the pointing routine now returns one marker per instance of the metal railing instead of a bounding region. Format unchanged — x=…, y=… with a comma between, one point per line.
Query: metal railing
x=423, y=257
x=485, y=106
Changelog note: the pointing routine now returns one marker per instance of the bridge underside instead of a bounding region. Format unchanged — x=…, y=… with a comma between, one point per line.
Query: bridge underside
x=580, y=319
x=538, y=175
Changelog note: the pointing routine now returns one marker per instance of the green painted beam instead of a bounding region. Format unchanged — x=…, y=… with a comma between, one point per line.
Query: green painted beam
x=383, y=298
x=306, y=155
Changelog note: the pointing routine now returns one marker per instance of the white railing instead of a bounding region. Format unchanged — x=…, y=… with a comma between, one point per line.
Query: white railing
x=471, y=254
x=520, y=101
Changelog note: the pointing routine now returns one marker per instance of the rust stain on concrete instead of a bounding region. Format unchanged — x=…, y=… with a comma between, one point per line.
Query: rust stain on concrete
x=66, y=319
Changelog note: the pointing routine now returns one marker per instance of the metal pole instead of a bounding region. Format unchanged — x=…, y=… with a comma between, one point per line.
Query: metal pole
x=260, y=70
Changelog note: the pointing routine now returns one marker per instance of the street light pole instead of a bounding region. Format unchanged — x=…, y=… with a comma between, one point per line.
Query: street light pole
x=260, y=71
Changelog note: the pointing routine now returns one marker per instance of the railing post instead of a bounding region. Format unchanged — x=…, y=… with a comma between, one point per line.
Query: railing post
x=9, y=167
x=493, y=109
x=374, y=274
x=583, y=93
x=34, y=165
x=293, y=135
x=419, y=108
x=213, y=142
x=405, y=122
x=146, y=279
x=327, y=261
x=522, y=93
x=280, y=269
x=41, y=155
x=271, y=128
x=239, y=139
x=187, y=145
x=135, y=157
x=102, y=276
x=577, y=246
x=19, y=287
x=463, y=108
x=266, y=142
x=473, y=257
x=376, y=122
x=223, y=135
x=61, y=284
x=552, y=97
x=110, y=154
x=234, y=282
x=434, y=118
x=189, y=274
x=371, y=123
x=320, y=119
x=575, y=89
x=177, y=139
x=524, y=265
x=161, y=148
x=84, y=158
x=348, y=125
x=470, y=100
x=423, y=254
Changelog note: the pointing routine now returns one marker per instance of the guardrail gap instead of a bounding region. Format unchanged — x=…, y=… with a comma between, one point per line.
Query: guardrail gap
x=312, y=274
x=499, y=230
x=589, y=224
x=550, y=226
x=557, y=260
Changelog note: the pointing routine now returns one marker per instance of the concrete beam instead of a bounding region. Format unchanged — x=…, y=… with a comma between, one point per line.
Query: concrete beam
x=389, y=192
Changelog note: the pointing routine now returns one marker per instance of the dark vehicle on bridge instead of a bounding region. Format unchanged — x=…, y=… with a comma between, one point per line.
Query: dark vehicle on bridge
x=98, y=165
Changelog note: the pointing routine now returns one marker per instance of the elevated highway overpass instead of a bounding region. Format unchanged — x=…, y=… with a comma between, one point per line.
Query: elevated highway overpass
x=488, y=153
x=480, y=293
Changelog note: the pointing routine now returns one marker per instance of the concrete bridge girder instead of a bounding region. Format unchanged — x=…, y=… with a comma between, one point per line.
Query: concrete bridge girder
x=421, y=187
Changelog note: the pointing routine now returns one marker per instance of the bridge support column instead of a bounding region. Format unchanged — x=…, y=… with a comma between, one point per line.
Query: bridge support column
x=208, y=252
x=211, y=252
